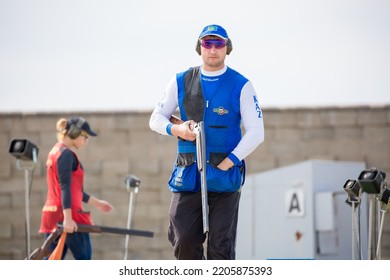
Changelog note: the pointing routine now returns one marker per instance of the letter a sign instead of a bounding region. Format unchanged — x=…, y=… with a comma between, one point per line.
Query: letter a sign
x=295, y=203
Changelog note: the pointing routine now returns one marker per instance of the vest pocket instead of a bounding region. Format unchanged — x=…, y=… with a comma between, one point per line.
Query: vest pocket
x=224, y=181
x=216, y=158
x=183, y=177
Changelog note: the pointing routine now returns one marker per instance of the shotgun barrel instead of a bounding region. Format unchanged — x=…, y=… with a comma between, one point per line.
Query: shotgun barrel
x=202, y=162
x=115, y=230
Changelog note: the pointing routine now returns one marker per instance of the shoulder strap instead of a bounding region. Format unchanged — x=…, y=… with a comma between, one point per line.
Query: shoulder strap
x=193, y=99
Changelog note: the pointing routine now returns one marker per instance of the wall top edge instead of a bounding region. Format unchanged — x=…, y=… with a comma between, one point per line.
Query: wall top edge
x=110, y=112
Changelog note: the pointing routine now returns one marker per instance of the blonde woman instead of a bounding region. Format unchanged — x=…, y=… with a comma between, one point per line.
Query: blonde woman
x=66, y=195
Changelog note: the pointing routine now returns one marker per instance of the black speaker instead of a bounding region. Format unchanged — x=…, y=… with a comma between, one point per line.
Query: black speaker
x=229, y=46
x=132, y=181
x=23, y=149
x=384, y=196
x=352, y=187
x=74, y=129
x=371, y=180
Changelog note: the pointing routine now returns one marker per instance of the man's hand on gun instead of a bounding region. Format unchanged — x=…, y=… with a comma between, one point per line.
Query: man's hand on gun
x=183, y=130
x=188, y=131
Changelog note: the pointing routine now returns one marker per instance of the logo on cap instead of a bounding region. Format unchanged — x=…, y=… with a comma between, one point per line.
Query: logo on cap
x=212, y=28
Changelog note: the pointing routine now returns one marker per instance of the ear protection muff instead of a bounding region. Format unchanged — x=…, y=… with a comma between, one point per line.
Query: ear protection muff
x=229, y=46
x=74, y=129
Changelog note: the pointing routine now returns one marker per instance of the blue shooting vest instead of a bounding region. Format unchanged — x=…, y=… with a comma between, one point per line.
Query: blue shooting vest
x=217, y=104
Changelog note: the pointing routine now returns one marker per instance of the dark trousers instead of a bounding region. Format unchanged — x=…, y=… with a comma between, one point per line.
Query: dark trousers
x=79, y=243
x=186, y=226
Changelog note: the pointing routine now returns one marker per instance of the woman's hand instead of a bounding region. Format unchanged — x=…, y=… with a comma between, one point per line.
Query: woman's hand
x=104, y=206
x=100, y=204
x=69, y=224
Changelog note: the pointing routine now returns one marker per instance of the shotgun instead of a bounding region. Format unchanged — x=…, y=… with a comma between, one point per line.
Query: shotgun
x=44, y=251
x=201, y=161
x=115, y=230
x=175, y=120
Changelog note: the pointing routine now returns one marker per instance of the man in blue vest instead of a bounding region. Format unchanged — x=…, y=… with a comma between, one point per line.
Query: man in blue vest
x=224, y=100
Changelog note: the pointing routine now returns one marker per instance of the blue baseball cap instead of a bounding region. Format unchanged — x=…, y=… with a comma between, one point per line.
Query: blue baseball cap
x=215, y=30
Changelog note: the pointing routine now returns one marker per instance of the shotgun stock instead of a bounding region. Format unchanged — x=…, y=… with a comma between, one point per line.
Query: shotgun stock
x=175, y=120
x=44, y=251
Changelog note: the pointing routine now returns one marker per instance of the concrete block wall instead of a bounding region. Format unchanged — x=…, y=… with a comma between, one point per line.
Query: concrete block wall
x=126, y=145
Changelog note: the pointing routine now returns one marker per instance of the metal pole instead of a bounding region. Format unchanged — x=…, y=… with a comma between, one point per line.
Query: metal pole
x=27, y=183
x=384, y=200
x=27, y=211
x=356, y=242
x=378, y=248
x=132, y=184
x=371, y=219
x=129, y=222
x=353, y=188
x=353, y=229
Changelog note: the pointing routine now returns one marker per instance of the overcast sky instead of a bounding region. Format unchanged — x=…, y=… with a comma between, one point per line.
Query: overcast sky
x=119, y=55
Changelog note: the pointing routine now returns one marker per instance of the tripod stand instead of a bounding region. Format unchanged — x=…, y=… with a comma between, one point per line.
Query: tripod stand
x=28, y=176
x=25, y=151
x=356, y=239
